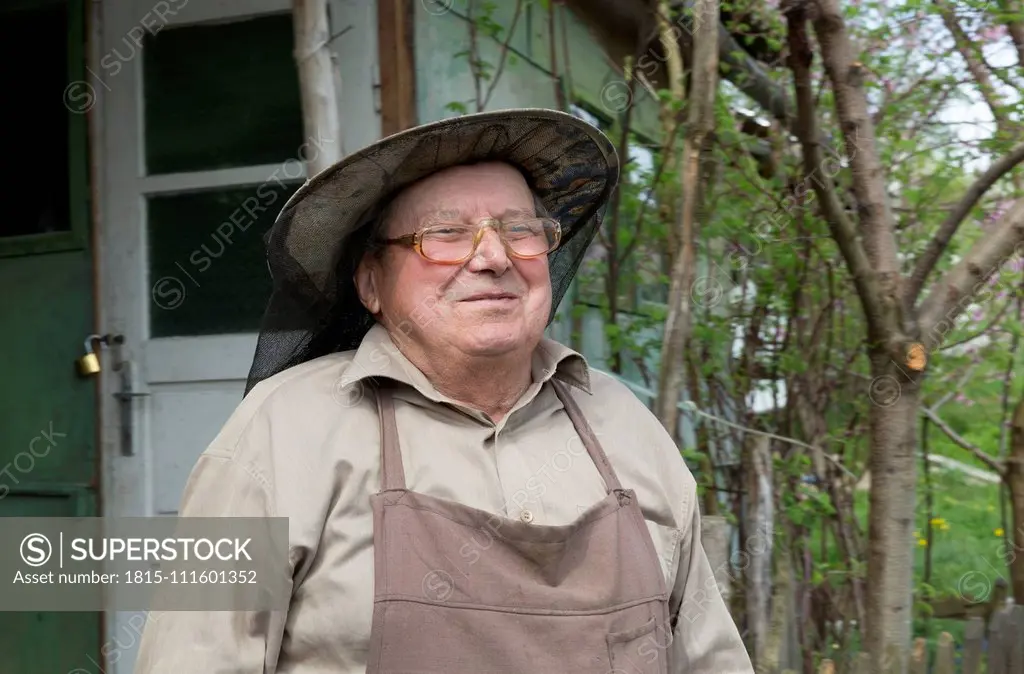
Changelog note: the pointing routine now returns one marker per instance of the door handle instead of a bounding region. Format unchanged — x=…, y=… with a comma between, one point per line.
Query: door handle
x=125, y=397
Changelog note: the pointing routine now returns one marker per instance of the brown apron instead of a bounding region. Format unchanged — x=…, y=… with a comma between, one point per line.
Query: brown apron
x=460, y=590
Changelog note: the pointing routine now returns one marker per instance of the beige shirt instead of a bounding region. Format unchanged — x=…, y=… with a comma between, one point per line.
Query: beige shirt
x=305, y=444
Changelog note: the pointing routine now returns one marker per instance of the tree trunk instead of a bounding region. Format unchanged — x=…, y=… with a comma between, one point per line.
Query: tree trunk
x=756, y=547
x=893, y=425
x=1015, y=481
x=668, y=197
x=700, y=122
x=317, y=79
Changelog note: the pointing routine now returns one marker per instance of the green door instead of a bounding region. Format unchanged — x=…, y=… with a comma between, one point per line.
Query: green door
x=48, y=455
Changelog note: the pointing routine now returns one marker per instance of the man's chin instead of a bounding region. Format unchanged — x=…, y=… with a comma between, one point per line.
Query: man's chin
x=491, y=340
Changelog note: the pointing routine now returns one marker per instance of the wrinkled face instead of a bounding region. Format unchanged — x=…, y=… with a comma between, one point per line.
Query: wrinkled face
x=489, y=305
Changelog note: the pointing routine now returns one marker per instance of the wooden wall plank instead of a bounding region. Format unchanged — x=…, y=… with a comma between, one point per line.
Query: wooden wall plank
x=396, y=28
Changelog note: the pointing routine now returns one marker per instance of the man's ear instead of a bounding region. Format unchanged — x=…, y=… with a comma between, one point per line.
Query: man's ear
x=365, y=279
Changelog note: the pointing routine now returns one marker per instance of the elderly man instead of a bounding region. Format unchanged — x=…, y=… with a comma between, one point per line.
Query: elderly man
x=463, y=494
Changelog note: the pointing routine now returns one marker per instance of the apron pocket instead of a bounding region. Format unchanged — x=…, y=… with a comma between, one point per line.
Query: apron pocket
x=636, y=651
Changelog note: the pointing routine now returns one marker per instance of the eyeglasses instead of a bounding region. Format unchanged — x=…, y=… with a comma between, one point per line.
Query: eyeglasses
x=455, y=243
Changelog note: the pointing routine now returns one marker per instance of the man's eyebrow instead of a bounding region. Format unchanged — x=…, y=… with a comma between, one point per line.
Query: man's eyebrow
x=516, y=212
x=455, y=215
x=443, y=214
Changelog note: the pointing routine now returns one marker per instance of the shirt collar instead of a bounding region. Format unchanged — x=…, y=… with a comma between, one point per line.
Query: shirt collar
x=377, y=356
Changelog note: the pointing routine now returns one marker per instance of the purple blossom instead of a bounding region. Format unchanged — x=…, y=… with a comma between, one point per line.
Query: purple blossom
x=997, y=212
x=961, y=398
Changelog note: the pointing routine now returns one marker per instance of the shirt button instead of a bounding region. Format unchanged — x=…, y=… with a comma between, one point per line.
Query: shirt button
x=526, y=516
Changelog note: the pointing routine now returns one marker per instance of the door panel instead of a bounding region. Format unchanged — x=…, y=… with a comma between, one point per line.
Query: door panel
x=48, y=455
x=203, y=143
x=28, y=638
x=191, y=133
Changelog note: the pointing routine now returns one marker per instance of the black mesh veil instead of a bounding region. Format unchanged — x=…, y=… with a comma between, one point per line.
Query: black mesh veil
x=320, y=235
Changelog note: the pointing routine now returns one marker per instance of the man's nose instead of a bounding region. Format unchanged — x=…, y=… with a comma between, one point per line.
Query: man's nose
x=490, y=254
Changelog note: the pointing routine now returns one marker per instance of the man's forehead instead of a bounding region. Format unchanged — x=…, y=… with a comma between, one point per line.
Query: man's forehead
x=455, y=193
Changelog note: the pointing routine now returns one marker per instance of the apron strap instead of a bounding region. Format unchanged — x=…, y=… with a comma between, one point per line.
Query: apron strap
x=392, y=474
x=590, y=441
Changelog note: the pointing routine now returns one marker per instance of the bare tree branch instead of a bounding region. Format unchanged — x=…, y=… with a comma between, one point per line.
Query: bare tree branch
x=690, y=408
x=700, y=123
x=951, y=294
x=842, y=228
x=977, y=69
x=504, y=53
x=930, y=256
x=892, y=100
x=948, y=395
x=993, y=322
x=1015, y=27
x=847, y=75
x=996, y=466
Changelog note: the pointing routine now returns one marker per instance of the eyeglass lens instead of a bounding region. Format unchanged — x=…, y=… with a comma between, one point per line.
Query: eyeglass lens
x=455, y=242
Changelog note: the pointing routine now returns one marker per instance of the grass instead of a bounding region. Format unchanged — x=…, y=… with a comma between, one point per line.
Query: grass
x=967, y=554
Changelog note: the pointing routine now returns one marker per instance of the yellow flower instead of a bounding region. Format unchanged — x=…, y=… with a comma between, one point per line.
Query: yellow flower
x=938, y=521
x=999, y=532
x=922, y=542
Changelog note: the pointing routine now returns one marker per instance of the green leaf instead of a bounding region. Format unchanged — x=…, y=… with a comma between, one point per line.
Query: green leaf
x=457, y=107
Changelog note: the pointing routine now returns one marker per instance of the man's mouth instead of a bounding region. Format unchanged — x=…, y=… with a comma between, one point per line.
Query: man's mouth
x=480, y=297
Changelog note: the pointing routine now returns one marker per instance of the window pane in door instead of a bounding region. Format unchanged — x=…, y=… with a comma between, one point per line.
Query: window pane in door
x=34, y=120
x=221, y=96
x=207, y=267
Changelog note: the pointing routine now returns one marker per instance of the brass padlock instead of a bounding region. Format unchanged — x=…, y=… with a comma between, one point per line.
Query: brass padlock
x=89, y=364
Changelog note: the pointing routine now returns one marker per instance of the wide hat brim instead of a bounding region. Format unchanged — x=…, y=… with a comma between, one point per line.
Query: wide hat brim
x=320, y=233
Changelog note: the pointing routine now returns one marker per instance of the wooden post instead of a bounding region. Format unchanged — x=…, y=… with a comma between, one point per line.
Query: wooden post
x=317, y=78
x=944, y=662
x=919, y=658
x=1016, y=654
x=395, y=24
x=999, y=643
x=974, y=634
x=714, y=536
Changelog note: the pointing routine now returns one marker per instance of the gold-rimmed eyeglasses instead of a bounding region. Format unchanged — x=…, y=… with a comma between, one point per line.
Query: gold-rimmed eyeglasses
x=446, y=243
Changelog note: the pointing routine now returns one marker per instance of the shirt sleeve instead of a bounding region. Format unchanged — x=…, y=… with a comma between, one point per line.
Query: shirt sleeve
x=705, y=639
x=215, y=642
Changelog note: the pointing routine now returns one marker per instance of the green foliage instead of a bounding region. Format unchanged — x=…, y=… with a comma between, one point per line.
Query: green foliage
x=776, y=298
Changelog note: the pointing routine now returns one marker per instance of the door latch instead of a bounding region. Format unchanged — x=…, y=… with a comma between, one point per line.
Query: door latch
x=125, y=396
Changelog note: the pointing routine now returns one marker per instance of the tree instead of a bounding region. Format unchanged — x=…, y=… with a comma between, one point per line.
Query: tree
x=901, y=330
x=318, y=78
